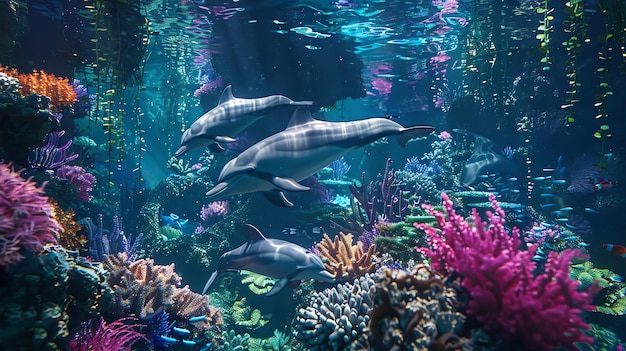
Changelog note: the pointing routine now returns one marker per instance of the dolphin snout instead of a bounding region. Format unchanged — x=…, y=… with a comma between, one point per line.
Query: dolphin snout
x=326, y=276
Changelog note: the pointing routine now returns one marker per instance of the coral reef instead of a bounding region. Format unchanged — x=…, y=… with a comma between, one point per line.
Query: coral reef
x=335, y=317
x=44, y=299
x=506, y=294
x=70, y=237
x=26, y=219
x=245, y=316
x=345, y=260
x=59, y=90
x=82, y=180
x=410, y=311
x=141, y=288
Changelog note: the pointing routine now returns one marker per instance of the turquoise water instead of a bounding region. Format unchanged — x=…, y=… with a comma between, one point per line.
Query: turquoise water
x=319, y=163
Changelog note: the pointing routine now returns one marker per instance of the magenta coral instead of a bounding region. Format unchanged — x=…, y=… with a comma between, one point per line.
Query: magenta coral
x=82, y=180
x=540, y=311
x=26, y=218
x=97, y=335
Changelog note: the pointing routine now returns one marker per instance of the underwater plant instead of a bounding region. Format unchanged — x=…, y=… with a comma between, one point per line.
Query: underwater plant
x=97, y=335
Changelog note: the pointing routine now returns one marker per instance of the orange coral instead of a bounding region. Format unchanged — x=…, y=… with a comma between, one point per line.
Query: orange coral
x=58, y=89
x=141, y=288
x=345, y=260
x=69, y=237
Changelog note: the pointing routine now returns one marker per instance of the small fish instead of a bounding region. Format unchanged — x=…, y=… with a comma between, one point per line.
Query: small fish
x=512, y=179
x=181, y=331
x=591, y=210
x=538, y=179
x=545, y=206
x=547, y=195
x=562, y=220
x=559, y=181
x=617, y=250
x=616, y=278
x=189, y=342
x=168, y=339
x=601, y=183
x=567, y=209
x=197, y=318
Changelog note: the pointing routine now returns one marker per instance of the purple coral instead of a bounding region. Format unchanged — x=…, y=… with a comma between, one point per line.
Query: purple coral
x=505, y=294
x=26, y=218
x=97, y=335
x=82, y=180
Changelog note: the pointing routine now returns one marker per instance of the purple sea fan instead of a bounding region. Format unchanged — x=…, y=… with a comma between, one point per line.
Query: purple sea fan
x=82, y=180
x=97, y=335
x=26, y=218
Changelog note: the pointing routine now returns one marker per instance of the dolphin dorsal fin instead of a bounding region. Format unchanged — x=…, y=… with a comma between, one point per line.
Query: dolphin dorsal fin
x=254, y=233
x=300, y=116
x=227, y=94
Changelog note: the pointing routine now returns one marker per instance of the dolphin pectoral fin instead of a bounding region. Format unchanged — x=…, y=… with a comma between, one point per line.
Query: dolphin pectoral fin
x=278, y=198
x=209, y=282
x=288, y=184
x=215, y=148
x=217, y=189
x=278, y=286
x=412, y=132
x=224, y=139
x=180, y=151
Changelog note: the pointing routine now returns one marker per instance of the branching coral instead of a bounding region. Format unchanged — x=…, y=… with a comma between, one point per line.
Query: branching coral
x=26, y=218
x=345, y=260
x=141, y=288
x=506, y=293
x=59, y=90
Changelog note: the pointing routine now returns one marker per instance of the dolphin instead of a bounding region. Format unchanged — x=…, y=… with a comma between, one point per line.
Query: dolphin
x=274, y=258
x=229, y=118
x=483, y=160
x=278, y=162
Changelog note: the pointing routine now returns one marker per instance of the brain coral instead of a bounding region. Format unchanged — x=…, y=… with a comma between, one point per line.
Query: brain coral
x=26, y=218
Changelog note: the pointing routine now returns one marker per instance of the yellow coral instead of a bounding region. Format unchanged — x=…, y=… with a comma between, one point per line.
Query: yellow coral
x=258, y=283
x=345, y=260
x=69, y=237
x=245, y=316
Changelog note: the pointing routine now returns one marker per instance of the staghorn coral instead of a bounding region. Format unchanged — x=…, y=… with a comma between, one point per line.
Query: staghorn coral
x=335, y=317
x=141, y=288
x=58, y=89
x=410, y=311
x=70, y=237
x=26, y=218
x=345, y=260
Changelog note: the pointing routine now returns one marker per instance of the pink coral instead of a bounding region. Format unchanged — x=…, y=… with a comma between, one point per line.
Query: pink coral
x=100, y=336
x=82, y=180
x=26, y=218
x=538, y=311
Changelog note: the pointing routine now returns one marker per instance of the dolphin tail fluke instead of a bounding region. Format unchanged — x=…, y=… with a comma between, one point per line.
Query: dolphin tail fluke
x=301, y=103
x=413, y=132
x=209, y=282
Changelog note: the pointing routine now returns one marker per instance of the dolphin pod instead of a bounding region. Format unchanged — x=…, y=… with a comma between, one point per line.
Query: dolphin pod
x=278, y=162
x=231, y=116
x=274, y=258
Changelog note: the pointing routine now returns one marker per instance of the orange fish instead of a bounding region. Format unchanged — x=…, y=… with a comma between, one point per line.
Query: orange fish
x=615, y=249
x=601, y=183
